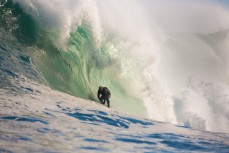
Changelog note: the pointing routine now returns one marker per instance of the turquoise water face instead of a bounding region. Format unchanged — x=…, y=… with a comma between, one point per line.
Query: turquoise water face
x=78, y=69
x=82, y=68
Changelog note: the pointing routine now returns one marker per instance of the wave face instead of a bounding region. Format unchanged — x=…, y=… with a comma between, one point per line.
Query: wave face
x=165, y=63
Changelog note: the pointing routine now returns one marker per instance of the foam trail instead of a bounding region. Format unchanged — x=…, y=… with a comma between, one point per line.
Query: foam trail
x=160, y=46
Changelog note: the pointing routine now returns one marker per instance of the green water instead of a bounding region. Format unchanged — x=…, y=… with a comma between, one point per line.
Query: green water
x=81, y=67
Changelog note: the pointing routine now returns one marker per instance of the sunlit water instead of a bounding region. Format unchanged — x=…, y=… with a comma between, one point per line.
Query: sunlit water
x=153, y=74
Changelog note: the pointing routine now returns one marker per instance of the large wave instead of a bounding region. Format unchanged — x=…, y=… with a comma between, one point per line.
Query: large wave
x=161, y=59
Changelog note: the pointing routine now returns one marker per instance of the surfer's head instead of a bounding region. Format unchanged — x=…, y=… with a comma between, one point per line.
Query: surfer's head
x=100, y=87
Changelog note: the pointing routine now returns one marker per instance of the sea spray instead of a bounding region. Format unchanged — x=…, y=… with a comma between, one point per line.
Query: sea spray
x=144, y=51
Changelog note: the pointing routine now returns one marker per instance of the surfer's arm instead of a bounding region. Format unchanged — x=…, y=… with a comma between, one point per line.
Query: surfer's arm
x=98, y=95
x=109, y=93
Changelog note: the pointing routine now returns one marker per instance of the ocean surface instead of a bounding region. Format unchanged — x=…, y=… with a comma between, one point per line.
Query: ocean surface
x=169, y=84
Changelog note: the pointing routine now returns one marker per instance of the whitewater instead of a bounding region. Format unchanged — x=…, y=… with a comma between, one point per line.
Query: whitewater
x=165, y=63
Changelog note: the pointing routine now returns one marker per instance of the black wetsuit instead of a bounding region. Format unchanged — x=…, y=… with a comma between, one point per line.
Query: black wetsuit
x=104, y=95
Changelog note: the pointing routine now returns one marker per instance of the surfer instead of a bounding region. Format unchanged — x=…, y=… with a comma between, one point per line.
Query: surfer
x=104, y=95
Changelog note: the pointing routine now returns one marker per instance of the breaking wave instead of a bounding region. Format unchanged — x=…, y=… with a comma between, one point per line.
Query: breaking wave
x=165, y=63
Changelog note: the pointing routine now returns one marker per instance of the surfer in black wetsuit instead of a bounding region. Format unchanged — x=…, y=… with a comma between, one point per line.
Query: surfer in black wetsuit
x=104, y=95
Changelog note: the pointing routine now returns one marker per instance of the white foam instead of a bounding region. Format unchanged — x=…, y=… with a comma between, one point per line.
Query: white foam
x=171, y=42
